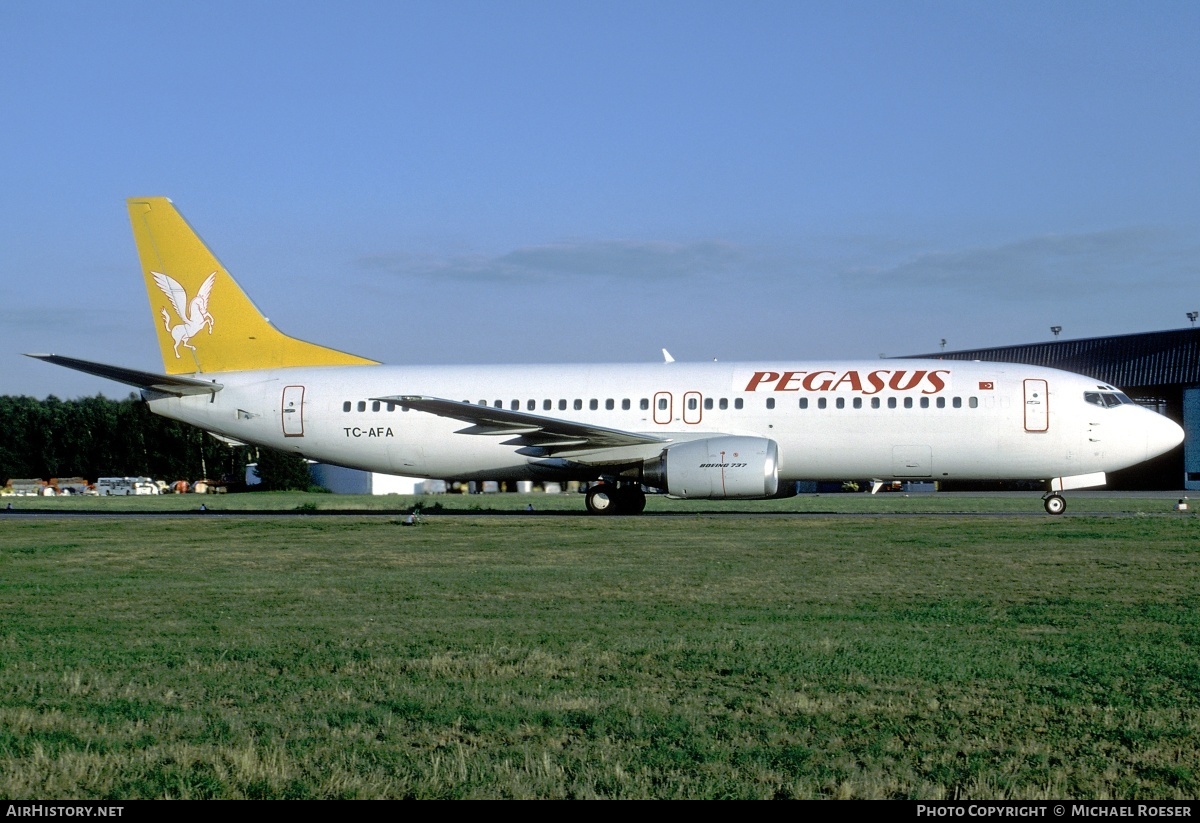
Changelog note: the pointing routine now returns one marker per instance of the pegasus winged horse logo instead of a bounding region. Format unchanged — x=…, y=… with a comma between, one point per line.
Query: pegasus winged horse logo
x=194, y=315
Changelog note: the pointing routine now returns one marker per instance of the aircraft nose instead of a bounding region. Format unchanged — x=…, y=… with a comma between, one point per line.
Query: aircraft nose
x=1162, y=434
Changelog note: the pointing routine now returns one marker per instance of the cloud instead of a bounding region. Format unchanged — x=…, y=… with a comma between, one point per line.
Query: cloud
x=599, y=260
x=1027, y=271
x=1104, y=261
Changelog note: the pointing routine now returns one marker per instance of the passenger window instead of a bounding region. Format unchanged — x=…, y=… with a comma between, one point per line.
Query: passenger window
x=662, y=404
x=346, y=406
x=693, y=404
x=770, y=402
x=804, y=402
x=625, y=404
x=515, y=405
x=973, y=402
x=708, y=403
x=530, y=405
x=610, y=404
x=724, y=404
x=499, y=404
x=362, y=405
x=562, y=405
x=840, y=402
x=644, y=404
x=908, y=402
x=820, y=402
x=956, y=402
x=874, y=402
x=891, y=402
x=924, y=402
x=547, y=405
x=737, y=404
x=593, y=404
x=391, y=406
x=858, y=402
x=578, y=404
x=941, y=402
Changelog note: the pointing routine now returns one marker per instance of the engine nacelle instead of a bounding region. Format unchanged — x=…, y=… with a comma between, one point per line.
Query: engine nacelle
x=718, y=467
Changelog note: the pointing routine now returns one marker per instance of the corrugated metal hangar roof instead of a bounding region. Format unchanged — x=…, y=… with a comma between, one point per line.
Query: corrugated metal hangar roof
x=1153, y=359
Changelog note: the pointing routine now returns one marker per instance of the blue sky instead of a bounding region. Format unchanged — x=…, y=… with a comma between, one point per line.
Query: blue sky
x=489, y=182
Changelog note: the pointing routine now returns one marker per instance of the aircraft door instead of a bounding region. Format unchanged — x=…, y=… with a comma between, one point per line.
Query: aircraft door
x=293, y=411
x=1037, y=406
x=692, y=410
x=663, y=407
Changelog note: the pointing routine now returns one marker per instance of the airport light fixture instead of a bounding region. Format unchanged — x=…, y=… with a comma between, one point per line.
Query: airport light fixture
x=1056, y=330
x=1192, y=315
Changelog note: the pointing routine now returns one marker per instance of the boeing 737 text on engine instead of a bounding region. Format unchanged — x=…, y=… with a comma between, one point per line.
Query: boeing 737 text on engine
x=702, y=430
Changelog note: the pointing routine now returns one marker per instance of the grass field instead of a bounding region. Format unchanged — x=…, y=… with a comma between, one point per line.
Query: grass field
x=1089, y=502
x=698, y=656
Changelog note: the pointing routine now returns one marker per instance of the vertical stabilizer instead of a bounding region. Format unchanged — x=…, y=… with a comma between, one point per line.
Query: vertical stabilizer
x=204, y=321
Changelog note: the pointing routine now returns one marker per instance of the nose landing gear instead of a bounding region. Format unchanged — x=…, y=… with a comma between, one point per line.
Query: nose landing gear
x=1054, y=503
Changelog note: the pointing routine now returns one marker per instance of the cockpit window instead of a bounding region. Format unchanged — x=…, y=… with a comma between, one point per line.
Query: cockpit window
x=1105, y=399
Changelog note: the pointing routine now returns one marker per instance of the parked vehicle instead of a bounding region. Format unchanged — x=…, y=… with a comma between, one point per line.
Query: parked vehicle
x=113, y=486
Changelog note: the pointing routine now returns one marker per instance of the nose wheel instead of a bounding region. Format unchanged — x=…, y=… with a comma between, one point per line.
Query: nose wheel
x=1054, y=503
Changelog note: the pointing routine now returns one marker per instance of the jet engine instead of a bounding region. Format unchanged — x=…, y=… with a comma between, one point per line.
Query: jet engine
x=716, y=468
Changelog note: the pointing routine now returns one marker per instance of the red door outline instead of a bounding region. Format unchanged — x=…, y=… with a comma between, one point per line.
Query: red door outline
x=662, y=416
x=1037, y=405
x=293, y=411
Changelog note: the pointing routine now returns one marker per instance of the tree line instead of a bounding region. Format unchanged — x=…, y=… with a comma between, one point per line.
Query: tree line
x=94, y=437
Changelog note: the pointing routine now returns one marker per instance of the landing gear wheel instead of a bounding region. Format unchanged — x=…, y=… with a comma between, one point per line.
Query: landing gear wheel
x=631, y=500
x=602, y=499
x=1054, y=504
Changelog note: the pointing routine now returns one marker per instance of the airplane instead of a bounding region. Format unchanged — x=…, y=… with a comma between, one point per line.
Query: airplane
x=710, y=430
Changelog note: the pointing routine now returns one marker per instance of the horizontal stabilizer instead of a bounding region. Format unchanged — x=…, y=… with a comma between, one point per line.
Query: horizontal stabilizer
x=165, y=384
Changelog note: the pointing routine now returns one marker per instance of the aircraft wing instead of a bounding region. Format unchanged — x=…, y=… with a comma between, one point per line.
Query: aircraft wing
x=162, y=383
x=540, y=436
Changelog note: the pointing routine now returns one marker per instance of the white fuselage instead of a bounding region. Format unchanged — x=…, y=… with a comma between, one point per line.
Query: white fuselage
x=885, y=419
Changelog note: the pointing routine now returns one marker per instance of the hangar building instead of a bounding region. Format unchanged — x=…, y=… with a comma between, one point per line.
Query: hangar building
x=1160, y=370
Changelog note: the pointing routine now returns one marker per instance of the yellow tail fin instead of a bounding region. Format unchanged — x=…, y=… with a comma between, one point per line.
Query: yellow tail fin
x=205, y=322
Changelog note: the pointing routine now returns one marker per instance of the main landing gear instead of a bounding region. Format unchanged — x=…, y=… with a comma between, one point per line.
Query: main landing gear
x=609, y=498
x=1054, y=503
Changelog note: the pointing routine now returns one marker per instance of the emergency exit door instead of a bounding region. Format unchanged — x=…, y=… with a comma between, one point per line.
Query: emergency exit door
x=1037, y=406
x=293, y=411
x=664, y=407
